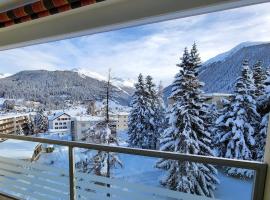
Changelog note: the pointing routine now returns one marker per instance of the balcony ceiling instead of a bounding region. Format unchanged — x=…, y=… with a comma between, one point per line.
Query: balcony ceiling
x=104, y=16
x=10, y=4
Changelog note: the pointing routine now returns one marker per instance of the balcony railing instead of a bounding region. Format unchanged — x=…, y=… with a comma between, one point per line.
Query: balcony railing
x=25, y=180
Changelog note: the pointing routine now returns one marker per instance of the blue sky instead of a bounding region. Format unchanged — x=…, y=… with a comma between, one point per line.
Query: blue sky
x=151, y=49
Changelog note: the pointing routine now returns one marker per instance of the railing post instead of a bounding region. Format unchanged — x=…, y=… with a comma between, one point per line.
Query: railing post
x=259, y=183
x=72, y=189
x=267, y=160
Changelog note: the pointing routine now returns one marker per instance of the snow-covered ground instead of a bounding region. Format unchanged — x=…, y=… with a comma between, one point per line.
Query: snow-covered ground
x=81, y=109
x=137, y=169
x=73, y=111
x=141, y=170
x=17, y=149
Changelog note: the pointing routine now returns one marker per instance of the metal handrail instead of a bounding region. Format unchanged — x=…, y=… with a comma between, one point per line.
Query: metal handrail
x=259, y=167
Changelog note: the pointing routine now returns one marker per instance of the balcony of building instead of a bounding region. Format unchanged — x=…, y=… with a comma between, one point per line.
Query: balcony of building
x=23, y=179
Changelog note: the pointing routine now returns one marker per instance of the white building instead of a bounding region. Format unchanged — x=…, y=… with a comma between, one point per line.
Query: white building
x=216, y=98
x=81, y=125
x=59, y=122
x=121, y=120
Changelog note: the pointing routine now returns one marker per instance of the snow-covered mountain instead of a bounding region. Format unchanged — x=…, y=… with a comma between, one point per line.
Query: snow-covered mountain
x=117, y=81
x=220, y=73
x=4, y=75
x=55, y=87
x=126, y=85
x=223, y=56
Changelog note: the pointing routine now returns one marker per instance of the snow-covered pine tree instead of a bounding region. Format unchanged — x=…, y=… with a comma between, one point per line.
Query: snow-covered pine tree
x=19, y=130
x=161, y=111
x=30, y=126
x=260, y=138
x=207, y=176
x=152, y=136
x=91, y=108
x=259, y=76
x=136, y=119
x=102, y=163
x=40, y=121
x=154, y=115
x=186, y=133
x=263, y=102
x=210, y=114
x=238, y=123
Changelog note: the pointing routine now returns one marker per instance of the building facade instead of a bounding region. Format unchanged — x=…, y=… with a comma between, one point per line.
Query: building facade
x=59, y=122
x=11, y=124
x=121, y=120
x=81, y=125
x=217, y=98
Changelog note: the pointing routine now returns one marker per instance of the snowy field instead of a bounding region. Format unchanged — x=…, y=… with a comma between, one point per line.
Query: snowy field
x=137, y=169
x=81, y=109
x=141, y=170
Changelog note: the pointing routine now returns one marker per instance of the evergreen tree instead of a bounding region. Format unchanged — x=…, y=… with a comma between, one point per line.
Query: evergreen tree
x=161, y=111
x=151, y=137
x=186, y=133
x=102, y=163
x=29, y=130
x=91, y=108
x=260, y=138
x=238, y=122
x=154, y=117
x=263, y=104
x=136, y=120
x=207, y=176
x=41, y=121
x=259, y=75
x=19, y=130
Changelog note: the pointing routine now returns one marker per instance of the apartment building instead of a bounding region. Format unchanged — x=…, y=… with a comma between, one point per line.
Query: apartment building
x=10, y=124
x=217, y=98
x=60, y=121
x=211, y=98
x=121, y=120
x=81, y=125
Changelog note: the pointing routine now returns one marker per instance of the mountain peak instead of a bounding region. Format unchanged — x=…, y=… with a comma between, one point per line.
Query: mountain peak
x=4, y=75
x=220, y=73
x=223, y=56
x=116, y=81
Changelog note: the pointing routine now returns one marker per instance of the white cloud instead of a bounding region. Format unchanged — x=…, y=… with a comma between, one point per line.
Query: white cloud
x=152, y=49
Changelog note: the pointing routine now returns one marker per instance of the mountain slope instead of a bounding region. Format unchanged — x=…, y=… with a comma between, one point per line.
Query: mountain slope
x=54, y=87
x=4, y=75
x=220, y=73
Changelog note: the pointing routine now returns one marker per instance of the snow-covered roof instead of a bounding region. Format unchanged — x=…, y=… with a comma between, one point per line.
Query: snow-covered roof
x=12, y=115
x=120, y=113
x=217, y=94
x=17, y=149
x=56, y=115
x=85, y=118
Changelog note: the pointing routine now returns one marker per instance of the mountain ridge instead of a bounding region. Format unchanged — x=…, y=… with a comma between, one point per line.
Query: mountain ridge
x=220, y=76
x=219, y=73
x=55, y=87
